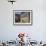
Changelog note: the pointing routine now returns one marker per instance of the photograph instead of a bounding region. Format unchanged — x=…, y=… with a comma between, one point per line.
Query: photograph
x=22, y=16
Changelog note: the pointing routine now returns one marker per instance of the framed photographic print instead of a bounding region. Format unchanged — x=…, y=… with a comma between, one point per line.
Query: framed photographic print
x=22, y=16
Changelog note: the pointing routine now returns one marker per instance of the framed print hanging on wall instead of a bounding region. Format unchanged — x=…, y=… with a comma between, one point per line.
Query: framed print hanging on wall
x=22, y=17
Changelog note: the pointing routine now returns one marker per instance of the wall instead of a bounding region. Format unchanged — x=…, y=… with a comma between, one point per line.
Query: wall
x=9, y=31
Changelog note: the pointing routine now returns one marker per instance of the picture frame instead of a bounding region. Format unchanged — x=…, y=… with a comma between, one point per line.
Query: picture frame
x=22, y=17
